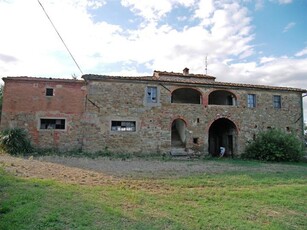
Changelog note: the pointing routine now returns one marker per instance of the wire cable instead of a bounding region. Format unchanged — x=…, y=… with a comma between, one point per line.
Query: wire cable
x=60, y=37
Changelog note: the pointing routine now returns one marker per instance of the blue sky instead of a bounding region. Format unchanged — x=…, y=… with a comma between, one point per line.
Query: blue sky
x=245, y=41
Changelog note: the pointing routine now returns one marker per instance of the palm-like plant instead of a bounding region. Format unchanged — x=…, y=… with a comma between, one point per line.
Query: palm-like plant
x=15, y=141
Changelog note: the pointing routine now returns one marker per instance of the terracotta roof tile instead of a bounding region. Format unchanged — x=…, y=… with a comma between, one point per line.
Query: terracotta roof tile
x=194, y=81
x=26, y=78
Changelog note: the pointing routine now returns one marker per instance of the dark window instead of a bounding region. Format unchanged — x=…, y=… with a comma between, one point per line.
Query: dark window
x=123, y=126
x=151, y=94
x=52, y=123
x=49, y=92
x=251, y=100
x=222, y=97
x=186, y=95
x=195, y=140
x=277, y=101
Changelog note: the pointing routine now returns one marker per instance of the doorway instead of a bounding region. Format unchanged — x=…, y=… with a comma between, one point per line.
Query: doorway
x=222, y=133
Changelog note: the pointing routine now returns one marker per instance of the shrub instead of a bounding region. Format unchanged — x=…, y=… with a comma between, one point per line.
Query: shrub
x=15, y=141
x=274, y=145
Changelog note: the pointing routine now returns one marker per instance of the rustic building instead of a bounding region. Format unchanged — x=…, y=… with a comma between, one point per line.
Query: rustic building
x=177, y=113
x=50, y=109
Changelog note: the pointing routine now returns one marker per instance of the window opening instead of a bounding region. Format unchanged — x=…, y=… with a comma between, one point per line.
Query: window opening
x=195, y=140
x=151, y=94
x=49, y=91
x=186, y=95
x=222, y=97
x=52, y=123
x=251, y=100
x=123, y=126
x=277, y=101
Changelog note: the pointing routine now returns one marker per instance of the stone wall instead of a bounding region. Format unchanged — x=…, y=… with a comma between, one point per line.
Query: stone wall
x=125, y=101
x=89, y=109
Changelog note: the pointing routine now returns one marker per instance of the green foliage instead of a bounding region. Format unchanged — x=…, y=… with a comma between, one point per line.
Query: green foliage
x=274, y=145
x=15, y=141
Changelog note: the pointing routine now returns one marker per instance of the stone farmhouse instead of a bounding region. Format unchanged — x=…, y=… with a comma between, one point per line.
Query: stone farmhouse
x=176, y=113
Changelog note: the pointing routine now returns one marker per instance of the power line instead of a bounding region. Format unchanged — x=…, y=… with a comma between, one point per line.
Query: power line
x=60, y=37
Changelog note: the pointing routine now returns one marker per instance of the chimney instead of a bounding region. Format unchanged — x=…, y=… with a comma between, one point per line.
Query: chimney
x=185, y=71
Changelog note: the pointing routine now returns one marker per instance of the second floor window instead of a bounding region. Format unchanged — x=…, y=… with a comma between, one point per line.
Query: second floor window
x=151, y=94
x=49, y=92
x=251, y=100
x=277, y=101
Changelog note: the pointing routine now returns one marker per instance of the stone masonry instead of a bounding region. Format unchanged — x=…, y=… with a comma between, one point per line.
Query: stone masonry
x=164, y=113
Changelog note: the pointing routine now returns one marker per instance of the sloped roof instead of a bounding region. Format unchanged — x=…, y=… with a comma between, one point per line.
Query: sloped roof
x=179, y=78
x=26, y=78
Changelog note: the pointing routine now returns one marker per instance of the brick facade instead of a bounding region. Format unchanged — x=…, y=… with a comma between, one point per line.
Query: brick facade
x=25, y=103
x=160, y=114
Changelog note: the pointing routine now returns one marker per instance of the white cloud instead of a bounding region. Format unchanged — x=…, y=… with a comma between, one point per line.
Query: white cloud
x=266, y=59
x=303, y=52
x=153, y=9
x=29, y=45
x=288, y=27
x=285, y=1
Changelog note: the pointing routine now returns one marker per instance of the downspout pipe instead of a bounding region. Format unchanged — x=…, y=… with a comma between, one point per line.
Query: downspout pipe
x=302, y=108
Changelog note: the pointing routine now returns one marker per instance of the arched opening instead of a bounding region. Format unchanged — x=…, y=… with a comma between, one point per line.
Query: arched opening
x=222, y=97
x=186, y=95
x=222, y=133
x=178, y=134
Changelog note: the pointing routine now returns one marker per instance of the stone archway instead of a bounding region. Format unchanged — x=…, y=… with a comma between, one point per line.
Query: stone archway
x=223, y=133
x=178, y=133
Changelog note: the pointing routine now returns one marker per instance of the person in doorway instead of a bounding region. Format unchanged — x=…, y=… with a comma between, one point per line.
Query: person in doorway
x=222, y=151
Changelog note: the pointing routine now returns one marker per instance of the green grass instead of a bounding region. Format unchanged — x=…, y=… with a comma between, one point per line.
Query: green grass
x=223, y=201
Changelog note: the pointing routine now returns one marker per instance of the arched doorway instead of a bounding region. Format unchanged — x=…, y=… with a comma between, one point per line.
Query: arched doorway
x=222, y=133
x=178, y=133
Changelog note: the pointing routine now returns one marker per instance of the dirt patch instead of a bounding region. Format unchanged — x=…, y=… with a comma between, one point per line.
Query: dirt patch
x=105, y=171
x=45, y=170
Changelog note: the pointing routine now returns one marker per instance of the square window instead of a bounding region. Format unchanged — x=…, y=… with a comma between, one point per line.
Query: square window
x=251, y=100
x=277, y=101
x=196, y=140
x=46, y=123
x=49, y=92
x=123, y=126
x=151, y=94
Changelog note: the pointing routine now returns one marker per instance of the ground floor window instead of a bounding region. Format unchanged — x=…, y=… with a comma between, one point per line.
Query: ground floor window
x=123, y=126
x=47, y=123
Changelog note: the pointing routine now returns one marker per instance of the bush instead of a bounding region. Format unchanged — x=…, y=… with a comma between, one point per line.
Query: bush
x=274, y=145
x=15, y=141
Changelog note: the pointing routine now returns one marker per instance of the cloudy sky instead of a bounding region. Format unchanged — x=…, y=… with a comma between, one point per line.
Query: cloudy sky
x=245, y=41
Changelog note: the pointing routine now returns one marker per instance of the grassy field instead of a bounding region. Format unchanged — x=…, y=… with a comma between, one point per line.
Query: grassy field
x=235, y=200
